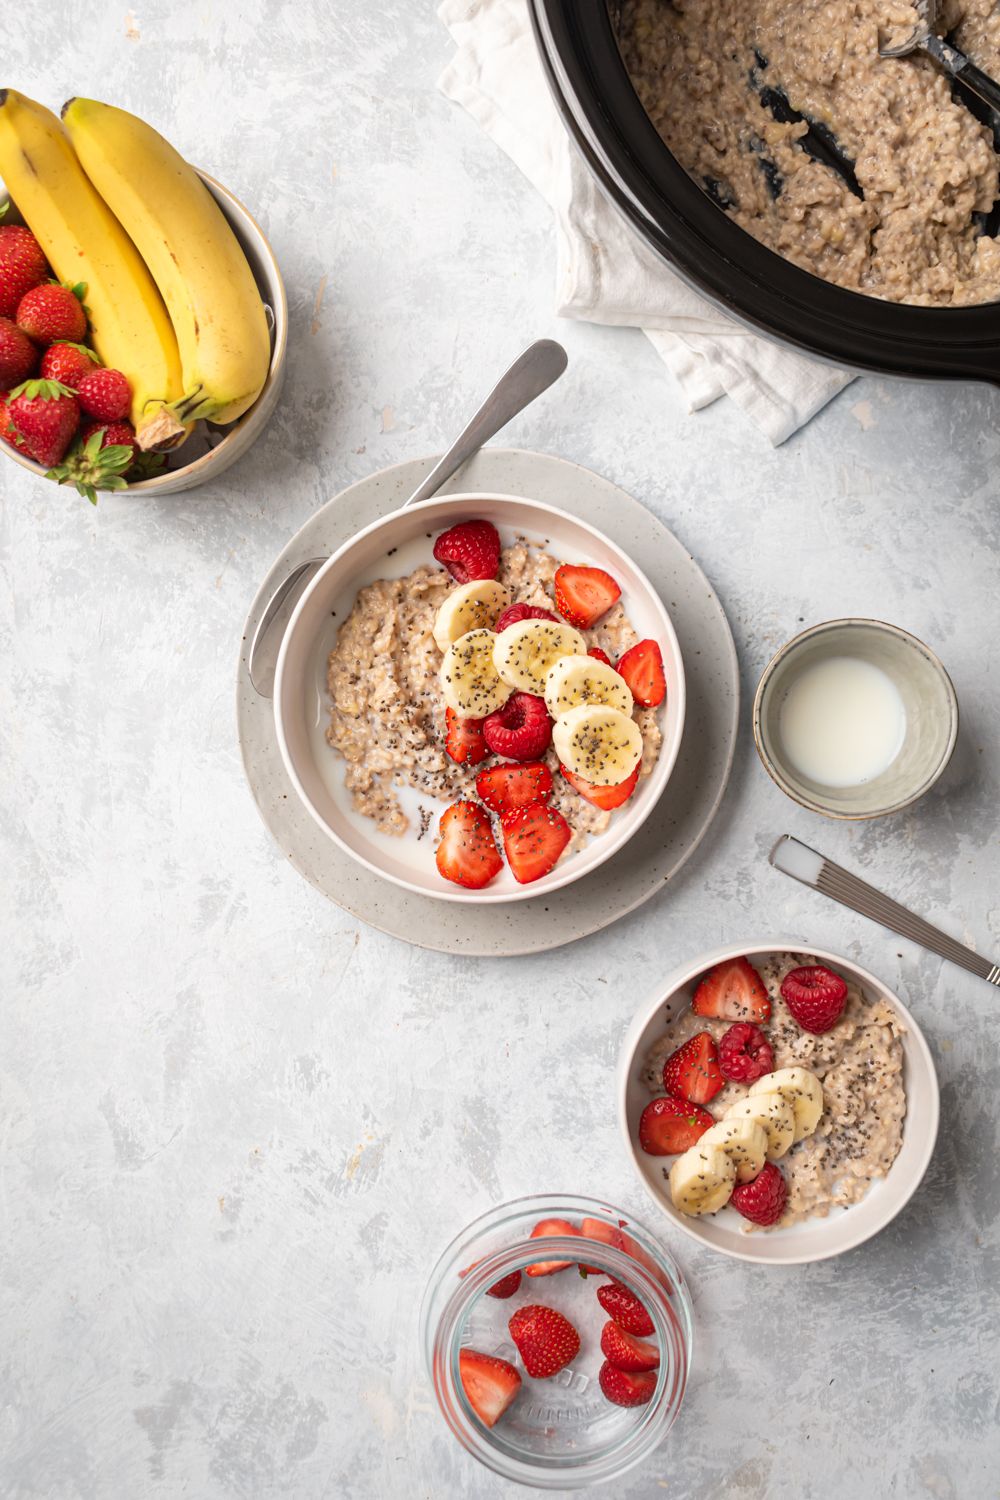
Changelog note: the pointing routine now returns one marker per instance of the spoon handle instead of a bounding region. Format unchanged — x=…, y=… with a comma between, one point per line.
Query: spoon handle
x=961, y=67
x=532, y=372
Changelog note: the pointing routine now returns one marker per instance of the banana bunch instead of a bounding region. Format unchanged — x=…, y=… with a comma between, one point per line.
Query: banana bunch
x=594, y=734
x=193, y=255
x=781, y=1108
x=83, y=241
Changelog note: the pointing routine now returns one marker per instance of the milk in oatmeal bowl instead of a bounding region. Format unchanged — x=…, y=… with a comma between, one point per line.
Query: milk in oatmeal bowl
x=494, y=704
x=778, y=1092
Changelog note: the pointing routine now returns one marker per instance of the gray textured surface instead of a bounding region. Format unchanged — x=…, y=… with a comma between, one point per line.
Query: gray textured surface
x=236, y=1128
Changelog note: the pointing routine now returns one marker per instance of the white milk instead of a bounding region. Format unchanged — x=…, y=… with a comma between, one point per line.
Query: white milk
x=842, y=722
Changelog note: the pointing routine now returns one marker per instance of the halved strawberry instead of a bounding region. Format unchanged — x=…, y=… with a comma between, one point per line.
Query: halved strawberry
x=599, y=655
x=626, y=1352
x=620, y=1303
x=605, y=797
x=490, y=1384
x=669, y=1126
x=693, y=1072
x=732, y=991
x=467, y=853
x=534, y=837
x=642, y=669
x=606, y=1234
x=545, y=1340
x=583, y=595
x=505, y=1287
x=548, y=1227
x=625, y=1389
x=506, y=788
x=463, y=739
x=469, y=550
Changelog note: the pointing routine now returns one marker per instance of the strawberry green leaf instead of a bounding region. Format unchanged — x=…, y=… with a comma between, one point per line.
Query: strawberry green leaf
x=3, y=208
x=48, y=390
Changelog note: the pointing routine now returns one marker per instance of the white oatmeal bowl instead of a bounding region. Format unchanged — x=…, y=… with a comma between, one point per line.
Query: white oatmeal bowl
x=868, y=1153
x=363, y=749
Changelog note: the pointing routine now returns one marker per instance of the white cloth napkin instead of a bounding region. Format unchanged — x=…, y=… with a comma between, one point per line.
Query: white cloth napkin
x=606, y=274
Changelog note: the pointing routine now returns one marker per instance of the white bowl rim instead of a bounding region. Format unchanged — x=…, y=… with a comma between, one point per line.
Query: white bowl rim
x=684, y=974
x=610, y=843
x=775, y=768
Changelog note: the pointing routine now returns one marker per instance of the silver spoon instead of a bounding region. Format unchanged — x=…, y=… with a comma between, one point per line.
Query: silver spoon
x=923, y=38
x=532, y=372
x=794, y=858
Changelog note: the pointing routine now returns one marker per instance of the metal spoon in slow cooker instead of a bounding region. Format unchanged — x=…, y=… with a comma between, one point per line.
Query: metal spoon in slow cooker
x=532, y=372
x=923, y=38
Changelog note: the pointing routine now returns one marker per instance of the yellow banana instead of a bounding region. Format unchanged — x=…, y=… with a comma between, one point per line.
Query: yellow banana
x=193, y=255
x=129, y=325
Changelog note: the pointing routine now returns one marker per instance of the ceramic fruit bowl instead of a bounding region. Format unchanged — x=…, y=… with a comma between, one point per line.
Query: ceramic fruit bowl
x=394, y=547
x=858, y=1092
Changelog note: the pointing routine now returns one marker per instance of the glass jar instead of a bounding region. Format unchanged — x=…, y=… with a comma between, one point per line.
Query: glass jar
x=561, y=1432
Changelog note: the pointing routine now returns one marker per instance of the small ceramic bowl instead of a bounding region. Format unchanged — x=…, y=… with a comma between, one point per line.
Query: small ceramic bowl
x=928, y=698
x=391, y=548
x=816, y=1238
x=211, y=449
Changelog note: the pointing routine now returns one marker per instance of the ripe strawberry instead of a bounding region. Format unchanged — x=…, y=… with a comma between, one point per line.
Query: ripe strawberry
x=105, y=394
x=515, y=612
x=732, y=991
x=51, y=314
x=505, y=1287
x=605, y=1234
x=745, y=1054
x=599, y=655
x=583, y=595
x=624, y=1306
x=642, y=669
x=46, y=416
x=22, y=266
x=693, y=1072
x=8, y=432
x=816, y=997
x=18, y=355
x=669, y=1126
x=68, y=363
x=546, y=1341
x=506, y=788
x=605, y=797
x=549, y=1227
x=533, y=838
x=625, y=1352
x=763, y=1200
x=113, y=435
x=469, y=550
x=625, y=1389
x=490, y=1384
x=463, y=739
x=521, y=730
x=467, y=853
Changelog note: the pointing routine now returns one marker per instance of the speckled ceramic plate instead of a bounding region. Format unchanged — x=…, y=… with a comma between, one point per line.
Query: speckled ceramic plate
x=683, y=813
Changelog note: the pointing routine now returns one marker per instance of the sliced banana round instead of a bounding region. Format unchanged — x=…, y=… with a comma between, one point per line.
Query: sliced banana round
x=525, y=652
x=743, y=1141
x=574, y=680
x=702, y=1180
x=803, y=1091
x=602, y=745
x=469, y=679
x=469, y=607
x=775, y=1113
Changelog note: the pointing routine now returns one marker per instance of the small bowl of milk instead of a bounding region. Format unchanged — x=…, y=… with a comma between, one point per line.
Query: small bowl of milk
x=855, y=718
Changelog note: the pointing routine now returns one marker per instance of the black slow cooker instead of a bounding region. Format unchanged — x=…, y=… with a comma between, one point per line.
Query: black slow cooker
x=680, y=222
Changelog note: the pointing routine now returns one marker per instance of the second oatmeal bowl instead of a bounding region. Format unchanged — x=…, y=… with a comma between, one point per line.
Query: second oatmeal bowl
x=779, y=1104
x=480, y=698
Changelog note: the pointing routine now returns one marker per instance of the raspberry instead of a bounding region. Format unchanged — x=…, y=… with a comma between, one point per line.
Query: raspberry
x=521, y=730
x=815, y=996
x=515, y=612
x=469, y=550
x=745, y=1053
x=763, y=1200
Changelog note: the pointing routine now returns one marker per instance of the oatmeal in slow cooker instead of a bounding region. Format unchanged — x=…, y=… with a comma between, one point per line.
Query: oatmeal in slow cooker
x=926, y=167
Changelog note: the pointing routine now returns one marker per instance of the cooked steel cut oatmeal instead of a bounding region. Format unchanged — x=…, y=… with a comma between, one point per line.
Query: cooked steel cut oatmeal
x=388, y=714
x=860, y=1064
x=927, y=168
